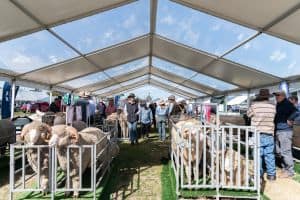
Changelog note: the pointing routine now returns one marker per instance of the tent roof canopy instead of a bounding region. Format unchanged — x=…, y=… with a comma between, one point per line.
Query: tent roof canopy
x=188, y=47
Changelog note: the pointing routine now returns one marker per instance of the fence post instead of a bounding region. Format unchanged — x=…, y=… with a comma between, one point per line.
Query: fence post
x=11, y=171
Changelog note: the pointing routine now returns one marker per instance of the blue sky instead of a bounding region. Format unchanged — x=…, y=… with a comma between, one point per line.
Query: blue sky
x=174, y=21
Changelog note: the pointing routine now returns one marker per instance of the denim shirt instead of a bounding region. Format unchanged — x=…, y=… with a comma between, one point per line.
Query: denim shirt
x=145, y=115
x=162, y=113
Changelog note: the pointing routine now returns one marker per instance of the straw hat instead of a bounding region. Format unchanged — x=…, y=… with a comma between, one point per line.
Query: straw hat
x=161, y=102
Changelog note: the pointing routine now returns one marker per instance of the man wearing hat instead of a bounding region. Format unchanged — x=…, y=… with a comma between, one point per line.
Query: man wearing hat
x=174, y=108
x=284, y=132
x=131, y=110
x=162, y=116
x=262, y=114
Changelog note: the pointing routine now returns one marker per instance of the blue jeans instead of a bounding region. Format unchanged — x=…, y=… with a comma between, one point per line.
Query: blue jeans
x=162, y=130
x=267, y=154
x=132, y=131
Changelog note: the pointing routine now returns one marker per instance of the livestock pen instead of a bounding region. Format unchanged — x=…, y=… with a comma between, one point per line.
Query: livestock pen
x=218, y=158
x=22, y=179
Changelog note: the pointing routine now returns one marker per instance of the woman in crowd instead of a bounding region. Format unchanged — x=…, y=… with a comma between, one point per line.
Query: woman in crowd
x=111, y=108
x=161, y=118
x=145, y=117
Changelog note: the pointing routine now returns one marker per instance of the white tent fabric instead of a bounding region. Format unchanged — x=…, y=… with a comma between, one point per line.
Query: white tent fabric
x=237, y=100
x=22, y=18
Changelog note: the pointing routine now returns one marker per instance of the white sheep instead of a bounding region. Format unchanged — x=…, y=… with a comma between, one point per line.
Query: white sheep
x=189, y=132
x=38, y=133
x=63, y=135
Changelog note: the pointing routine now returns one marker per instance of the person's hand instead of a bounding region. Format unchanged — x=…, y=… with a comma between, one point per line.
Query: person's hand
x=290, y=123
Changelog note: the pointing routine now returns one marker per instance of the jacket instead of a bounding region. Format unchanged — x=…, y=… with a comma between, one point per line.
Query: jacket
x=284, y=112
x=131, y=111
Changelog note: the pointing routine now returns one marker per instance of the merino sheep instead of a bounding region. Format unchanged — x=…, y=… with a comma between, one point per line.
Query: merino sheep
x=49, y=118
x=38, y=133
x=234, y=162
x=62, y=136
x=189, y=129
x=79, y=125
x=123, y=124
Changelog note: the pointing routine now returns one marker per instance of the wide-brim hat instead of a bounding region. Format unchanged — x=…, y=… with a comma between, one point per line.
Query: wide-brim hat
x=162, y=102
x=172, y=97
x=263, y=94
x=131, y=95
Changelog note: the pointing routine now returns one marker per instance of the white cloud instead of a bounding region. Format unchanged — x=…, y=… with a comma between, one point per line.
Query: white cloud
x=169, y=20
x=277, y=56
x=191, y=36
x=130, y=21
x=54, y=59
x=292, y=65
x=216, y=27
x=108, y=34
x=21, y=60
x=247, y=45
x=240, y=37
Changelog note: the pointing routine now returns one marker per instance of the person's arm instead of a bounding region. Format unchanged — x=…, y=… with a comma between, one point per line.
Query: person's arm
x=293, y=116
x=151, y=117
x=140, y=115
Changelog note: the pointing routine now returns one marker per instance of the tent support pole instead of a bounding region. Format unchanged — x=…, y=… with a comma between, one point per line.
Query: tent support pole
x=13, y=93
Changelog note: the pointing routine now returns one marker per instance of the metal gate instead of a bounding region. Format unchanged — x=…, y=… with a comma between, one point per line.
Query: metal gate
x=22, y=179
x=216, y=157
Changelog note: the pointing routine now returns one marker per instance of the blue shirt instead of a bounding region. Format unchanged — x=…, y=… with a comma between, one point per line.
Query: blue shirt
x=162, y=113
x=145, y=115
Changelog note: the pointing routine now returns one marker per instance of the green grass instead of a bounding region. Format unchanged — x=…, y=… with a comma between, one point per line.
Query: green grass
x=169, y=188
x=297, y=172
x=168, y=183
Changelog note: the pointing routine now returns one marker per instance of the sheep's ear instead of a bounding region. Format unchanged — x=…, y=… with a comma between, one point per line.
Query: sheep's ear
x=74, y=136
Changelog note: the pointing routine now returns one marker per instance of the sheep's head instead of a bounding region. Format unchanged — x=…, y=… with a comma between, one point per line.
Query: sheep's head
x=36, y=133
x=63, y=135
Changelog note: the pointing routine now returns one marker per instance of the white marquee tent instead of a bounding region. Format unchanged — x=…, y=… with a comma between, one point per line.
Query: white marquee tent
x=113, y=46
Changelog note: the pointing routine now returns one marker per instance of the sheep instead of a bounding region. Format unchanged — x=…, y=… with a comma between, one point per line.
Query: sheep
x=7, y=134
x=79, y=125
x=60, y=118
x=49, y=118
x=123, y=124
x=63, y=135
x=189, y=128
x=232, y=158
x=38, y=133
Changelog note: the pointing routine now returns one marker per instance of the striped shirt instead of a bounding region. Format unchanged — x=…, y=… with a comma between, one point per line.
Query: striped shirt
x=262, y=115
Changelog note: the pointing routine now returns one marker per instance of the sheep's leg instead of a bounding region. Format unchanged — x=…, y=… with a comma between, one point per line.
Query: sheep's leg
x=75, y=185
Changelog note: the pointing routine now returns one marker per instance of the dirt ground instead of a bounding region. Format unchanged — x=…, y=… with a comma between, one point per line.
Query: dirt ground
x=137, y=175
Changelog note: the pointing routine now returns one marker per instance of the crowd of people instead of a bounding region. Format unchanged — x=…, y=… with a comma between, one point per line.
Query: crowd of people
x=148, y=115
x=275, y=125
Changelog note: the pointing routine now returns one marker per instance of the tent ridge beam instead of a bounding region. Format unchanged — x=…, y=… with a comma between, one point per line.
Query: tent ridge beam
x=153, y=16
